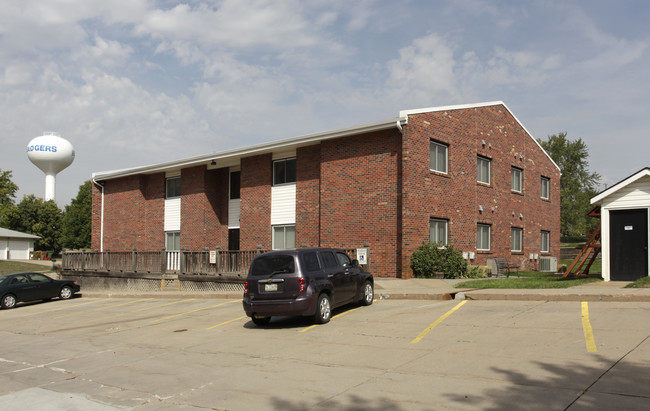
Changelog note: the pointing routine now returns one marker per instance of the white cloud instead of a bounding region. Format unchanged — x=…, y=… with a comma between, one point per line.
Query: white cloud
x=425, y=69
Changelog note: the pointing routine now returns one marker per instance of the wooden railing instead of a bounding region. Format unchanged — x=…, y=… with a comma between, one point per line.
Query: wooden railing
x=160, y=262
x=182, y=262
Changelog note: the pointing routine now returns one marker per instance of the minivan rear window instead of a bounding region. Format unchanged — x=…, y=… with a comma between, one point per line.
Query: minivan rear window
x=273, y=264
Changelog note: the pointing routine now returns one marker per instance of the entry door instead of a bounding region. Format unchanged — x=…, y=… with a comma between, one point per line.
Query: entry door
x=628, y=235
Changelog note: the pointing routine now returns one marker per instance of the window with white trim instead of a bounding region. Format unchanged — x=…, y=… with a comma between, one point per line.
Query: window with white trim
x=483, y=170
x=545, y=241
x=517, y=179
x=173, y=240
x=438, y=231
x=284, y=171
x=483, y=233
x=284, y=237
x=235, y=184
x=438, y=157
x=545, y=188
x=516, y=239
x=172, y=187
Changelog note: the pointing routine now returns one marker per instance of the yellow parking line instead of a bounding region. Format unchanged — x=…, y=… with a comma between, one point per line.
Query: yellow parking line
x=336, y=316
x=105, y=308
x=226, y=322
x=143, y=309
x=193, y=311
x=438, y=321
x=586, y=325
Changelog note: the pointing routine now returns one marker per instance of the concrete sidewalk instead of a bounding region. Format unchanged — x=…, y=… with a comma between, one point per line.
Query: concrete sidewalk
x=435, y=289
x=418, y=288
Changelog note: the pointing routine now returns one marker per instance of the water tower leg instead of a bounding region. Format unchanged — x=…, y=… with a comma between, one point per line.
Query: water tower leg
x=50, y=186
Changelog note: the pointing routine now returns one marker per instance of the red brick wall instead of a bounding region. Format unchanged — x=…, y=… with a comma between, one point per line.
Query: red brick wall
x=204, y=208
x=255, y=211
x=153, y=189
x=133, y=213
x=360, y=196
x=374, y=188
x=456, y=196
x=308, y=196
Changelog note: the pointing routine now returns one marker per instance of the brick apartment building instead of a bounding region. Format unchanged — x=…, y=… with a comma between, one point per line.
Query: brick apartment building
x=470, y=176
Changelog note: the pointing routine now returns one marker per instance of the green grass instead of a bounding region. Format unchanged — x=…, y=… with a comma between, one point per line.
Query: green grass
x=596, y=267
x=640, y=283
x=529, y=280
x=8, y=267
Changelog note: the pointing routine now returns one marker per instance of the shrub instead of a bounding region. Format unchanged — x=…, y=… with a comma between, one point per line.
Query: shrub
x=478, y=271
x=432, y=258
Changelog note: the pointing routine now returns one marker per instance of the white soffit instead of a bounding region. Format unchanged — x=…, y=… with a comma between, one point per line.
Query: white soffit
x=231, y=158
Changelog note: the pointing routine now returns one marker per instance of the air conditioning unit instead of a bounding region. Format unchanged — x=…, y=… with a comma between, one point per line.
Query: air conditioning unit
x=548, y=264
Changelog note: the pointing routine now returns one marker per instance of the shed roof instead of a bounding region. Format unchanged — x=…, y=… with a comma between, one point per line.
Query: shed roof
x=5, y=232
x=621, y=184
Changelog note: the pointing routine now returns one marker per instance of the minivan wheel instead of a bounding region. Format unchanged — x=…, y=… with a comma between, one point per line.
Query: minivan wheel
x=368, y=294
x=323, y=309
x=260, y=321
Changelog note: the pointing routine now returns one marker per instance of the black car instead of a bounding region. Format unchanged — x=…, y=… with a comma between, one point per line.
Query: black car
x=23, y=287
x=307, y=282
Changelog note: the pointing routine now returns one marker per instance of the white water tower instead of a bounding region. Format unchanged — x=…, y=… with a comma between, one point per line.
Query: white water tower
x=52, y=154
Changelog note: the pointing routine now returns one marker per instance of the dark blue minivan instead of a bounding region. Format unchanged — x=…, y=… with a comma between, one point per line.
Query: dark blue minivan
x=306, y=282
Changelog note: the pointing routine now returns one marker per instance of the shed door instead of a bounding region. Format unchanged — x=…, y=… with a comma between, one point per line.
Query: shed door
x=628, y=233
x=18, y=250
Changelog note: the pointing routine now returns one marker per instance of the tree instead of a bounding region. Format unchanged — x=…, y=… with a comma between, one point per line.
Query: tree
x=7, y=194
x=578, y=185
x=40, y=218
x=77, y=219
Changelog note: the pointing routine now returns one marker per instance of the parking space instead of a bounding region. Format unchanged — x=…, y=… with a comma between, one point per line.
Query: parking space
x=147, y=353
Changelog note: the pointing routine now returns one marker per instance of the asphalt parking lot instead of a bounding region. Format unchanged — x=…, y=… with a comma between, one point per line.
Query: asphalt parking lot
x=182, y=354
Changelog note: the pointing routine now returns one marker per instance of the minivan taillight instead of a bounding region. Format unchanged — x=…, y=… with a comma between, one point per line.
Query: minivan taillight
x=245, y=287
x=301, y=285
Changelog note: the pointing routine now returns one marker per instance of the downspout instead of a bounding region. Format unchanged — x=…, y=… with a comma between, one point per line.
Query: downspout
x=101, y=218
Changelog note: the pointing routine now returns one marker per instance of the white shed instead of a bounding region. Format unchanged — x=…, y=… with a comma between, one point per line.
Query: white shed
x=624, y=225
x=15, y=245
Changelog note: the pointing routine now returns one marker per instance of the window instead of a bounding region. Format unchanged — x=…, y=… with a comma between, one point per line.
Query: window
x=483, y=170
x=284, y=236
x=233, y=239
x=284, y=171
x=344, y=260
x=545, y=245
x=173, y=187
x=273, y=264
x=39, y=278
x=311, y=262
x=235, y=184
x=483, y=237
x=516, y=239
x=173, y=240
x=517, y=175
x=438, y=157
x=329, y=261
x=438, y=231
x=545, y=188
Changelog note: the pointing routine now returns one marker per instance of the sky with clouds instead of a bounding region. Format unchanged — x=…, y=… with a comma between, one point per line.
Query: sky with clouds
x=139, y=82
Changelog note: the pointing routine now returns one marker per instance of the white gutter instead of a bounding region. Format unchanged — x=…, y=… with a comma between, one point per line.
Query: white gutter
x=292, y=143
x=101, y=218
